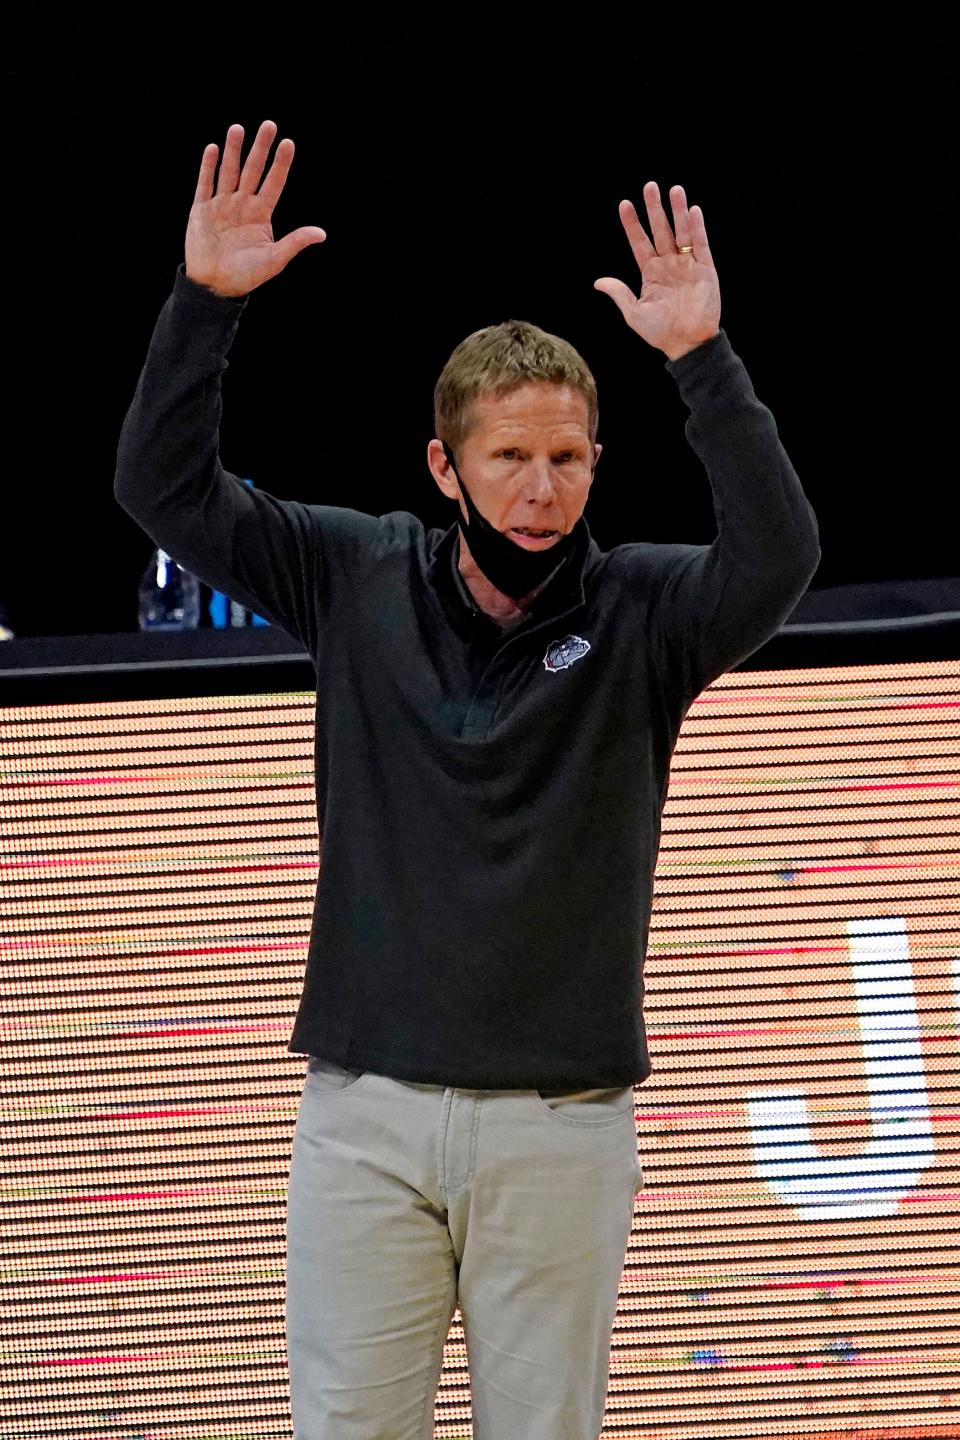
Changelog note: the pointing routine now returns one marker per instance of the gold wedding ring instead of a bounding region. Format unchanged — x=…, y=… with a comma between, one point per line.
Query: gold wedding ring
x=685, y=249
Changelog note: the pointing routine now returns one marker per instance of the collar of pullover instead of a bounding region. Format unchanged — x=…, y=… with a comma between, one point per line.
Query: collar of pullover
x=563, y=592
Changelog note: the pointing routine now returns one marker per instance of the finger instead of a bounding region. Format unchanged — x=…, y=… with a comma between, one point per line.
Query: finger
x=272, y=186
x=296, y=241
x=621, y=294
x=659, y=224
x=698, y=236
x=639, y=240
x=230, y=164
x=255, y=161
x=681, y=215
x=208, y=168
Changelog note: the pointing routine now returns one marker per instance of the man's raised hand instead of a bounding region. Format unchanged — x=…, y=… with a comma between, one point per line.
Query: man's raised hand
x=230, y=246
x=678, y=307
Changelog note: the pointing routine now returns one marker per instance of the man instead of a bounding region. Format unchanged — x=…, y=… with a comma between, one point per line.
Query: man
x=497, y=706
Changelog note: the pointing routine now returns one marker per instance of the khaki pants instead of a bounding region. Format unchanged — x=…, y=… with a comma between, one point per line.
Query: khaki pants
x=406, y=1200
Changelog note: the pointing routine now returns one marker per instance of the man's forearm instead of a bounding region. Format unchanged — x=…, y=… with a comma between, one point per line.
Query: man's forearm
x=167, y=458
x=765, y=522
x=242, y=541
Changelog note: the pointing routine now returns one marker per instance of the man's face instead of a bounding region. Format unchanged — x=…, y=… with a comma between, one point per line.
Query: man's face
x=527, y=462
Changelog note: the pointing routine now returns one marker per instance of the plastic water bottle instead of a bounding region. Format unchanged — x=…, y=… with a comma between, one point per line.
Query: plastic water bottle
x=169, y=595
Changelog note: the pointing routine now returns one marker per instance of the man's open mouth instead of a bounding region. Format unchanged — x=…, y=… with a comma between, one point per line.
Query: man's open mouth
x=532, y=539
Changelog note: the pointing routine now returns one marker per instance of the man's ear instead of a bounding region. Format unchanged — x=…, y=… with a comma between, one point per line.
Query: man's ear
x=596, y=455
x=441, y=469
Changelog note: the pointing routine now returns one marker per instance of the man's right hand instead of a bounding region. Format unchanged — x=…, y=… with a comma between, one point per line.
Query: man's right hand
x=230, y=246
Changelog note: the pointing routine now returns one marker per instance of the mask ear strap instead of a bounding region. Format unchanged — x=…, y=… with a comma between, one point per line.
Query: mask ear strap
x=449, y=454
x=463, y=489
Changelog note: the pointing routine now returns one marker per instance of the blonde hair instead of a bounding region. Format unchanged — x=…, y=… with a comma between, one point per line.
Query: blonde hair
x=499, y=358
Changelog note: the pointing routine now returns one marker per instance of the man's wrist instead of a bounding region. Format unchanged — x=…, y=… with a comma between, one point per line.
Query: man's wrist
x=202, y=294
x=687, y=349
x=210, y=289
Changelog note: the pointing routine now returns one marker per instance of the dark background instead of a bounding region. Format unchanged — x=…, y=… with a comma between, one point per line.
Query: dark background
x=467, y=166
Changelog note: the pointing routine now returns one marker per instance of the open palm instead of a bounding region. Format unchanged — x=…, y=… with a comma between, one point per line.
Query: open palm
x=229, y=245
x=678, y=306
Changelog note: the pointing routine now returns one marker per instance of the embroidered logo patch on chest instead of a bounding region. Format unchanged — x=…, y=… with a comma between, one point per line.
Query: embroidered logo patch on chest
x=563, y=653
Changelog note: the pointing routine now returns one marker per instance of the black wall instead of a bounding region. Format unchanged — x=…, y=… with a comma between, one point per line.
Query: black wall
x=464, y=178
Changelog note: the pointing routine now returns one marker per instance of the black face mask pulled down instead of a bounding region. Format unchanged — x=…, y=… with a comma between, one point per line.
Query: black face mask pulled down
x=509, y=566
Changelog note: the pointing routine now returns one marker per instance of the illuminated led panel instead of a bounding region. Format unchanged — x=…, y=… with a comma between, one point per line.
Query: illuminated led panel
x=159, y=865
x=793, y=1269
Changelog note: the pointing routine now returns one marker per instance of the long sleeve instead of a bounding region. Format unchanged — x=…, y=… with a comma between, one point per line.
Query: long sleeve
x=281, y=558
x=707, y=607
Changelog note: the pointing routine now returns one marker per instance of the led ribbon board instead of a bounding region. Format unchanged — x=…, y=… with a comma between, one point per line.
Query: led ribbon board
x=793, y=1268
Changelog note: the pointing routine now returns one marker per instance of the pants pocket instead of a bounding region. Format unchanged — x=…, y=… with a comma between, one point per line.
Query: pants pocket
x=589, y=1107
x=327, y=1075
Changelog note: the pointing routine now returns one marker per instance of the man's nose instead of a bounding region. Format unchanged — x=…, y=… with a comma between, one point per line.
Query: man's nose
x=538, y=481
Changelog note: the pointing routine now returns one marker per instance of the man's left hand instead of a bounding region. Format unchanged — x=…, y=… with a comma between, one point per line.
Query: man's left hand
x=679, y=303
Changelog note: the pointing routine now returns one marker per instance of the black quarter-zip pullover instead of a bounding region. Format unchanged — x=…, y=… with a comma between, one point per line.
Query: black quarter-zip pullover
x=489, y=799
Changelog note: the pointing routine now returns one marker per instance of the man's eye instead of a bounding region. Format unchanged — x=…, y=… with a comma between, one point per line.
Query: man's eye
x=508, y=454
